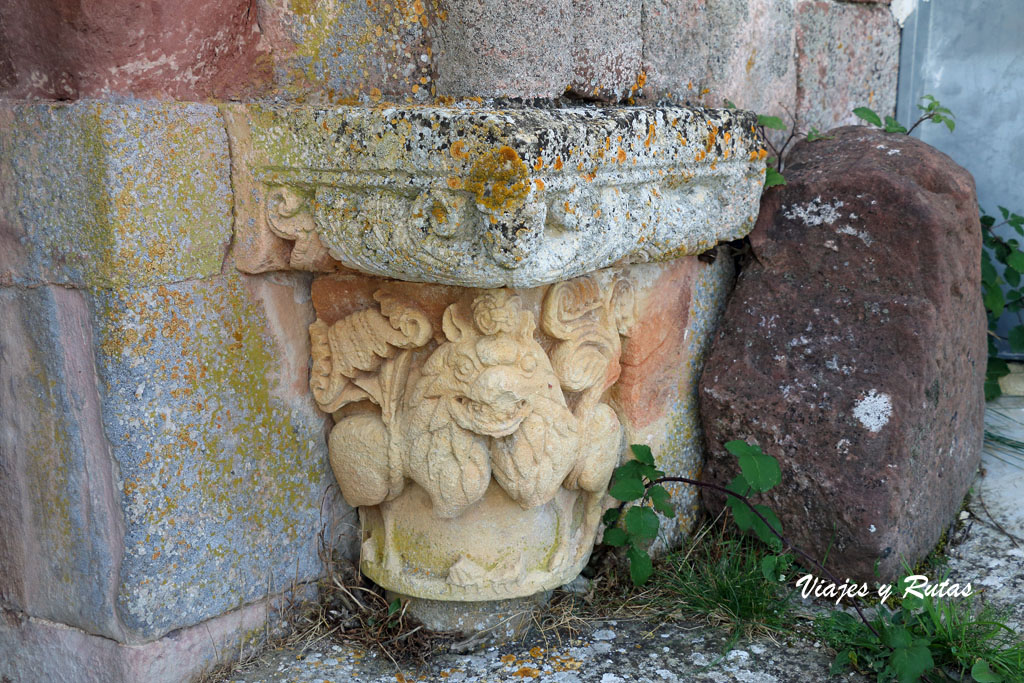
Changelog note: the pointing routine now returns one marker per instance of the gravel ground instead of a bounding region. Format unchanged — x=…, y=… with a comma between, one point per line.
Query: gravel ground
x=988, y=551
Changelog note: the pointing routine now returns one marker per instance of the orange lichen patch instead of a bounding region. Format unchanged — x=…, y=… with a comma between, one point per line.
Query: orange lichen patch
x=539, y=184
x=641, y=78
x=500, y=180
x=508, y=660
x=527, y=672
x=458, y=150
x=711, y=139
x=539, y=164
x=454, y=183
x=589, y=176
x=558, y=163
x=536, y=652
x=650, y=135
x=621, y=155
x=439, y=213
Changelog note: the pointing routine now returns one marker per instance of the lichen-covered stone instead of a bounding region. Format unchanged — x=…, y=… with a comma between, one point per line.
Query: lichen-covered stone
x=493, y=197
x=607, y=49
x=494, y=48
x=709, y=51
x=220, y=451
x=103, y=195
x=847, y=57
x=853, y=350
x=351, y=52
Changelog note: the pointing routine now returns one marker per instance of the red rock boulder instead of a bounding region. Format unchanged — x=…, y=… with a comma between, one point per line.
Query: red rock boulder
x=853, y=350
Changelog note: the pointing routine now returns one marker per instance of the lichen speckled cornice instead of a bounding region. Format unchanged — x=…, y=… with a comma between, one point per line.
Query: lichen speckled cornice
x=488, y=197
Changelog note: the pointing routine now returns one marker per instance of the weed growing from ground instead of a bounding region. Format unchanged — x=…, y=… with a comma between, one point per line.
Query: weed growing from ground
x=719, y=578
x=926, y=637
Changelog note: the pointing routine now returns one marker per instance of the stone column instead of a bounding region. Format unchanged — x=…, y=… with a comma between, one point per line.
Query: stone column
x=487, y=280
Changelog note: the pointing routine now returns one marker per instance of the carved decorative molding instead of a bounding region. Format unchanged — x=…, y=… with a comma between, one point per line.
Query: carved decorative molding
x=490, y=198
x=485, y=420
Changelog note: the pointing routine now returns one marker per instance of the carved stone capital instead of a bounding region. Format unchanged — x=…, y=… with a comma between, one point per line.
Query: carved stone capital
x=487, y=197
x=479, y=449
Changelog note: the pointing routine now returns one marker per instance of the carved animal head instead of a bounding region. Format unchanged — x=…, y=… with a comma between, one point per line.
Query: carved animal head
x=492, y=365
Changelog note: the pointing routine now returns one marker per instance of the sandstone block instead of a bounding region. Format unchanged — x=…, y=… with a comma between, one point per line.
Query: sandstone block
x=100, y=194
x=33, y=649
x=847, y=57
x=192, y=49
x=853, y=349
x=60, y=528
x=751, y=61
x=677, y=50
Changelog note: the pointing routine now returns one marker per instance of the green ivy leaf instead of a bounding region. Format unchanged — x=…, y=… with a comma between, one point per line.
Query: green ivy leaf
x=729, y=104
x=742, y=515
x=643, y=453
x=611, y=516
x=868, y=115
x=997, y=367
x=1012, y=277
x=772, y=178
x=761, y=471
x=768, y=567
x=773, y=122
x=640, y=565
x=662, y=500
x=910, y=662
x=992, y=389
x=762, y=530
x=627, y=489
x=1016, y=261
x=1017, y=339
x=994, y=300
x=394, y=606
x=641, y=523
x=614, y=536
x=988, y=271
x=982, y=672
x=814, y=135
x=894, y=126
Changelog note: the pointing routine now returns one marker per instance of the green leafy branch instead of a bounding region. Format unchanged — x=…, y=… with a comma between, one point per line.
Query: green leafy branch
x=1007, y=252
x=639, y=482
x=933, y=111
x=921, y=636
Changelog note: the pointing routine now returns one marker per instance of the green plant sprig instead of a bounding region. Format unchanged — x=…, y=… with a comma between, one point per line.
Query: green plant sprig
x=1008, y=253
x=638, y=481
x=933, y=111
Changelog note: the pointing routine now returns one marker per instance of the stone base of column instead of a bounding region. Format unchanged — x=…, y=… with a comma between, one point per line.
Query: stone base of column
x=491, y=621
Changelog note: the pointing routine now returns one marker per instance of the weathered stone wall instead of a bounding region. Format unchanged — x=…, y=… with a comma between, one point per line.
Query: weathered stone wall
x=813, y=59
x=164, y=470
x=163, y=463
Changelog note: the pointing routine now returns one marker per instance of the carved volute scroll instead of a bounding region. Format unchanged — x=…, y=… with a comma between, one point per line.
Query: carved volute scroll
x=479, y=412
x=289, y=217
